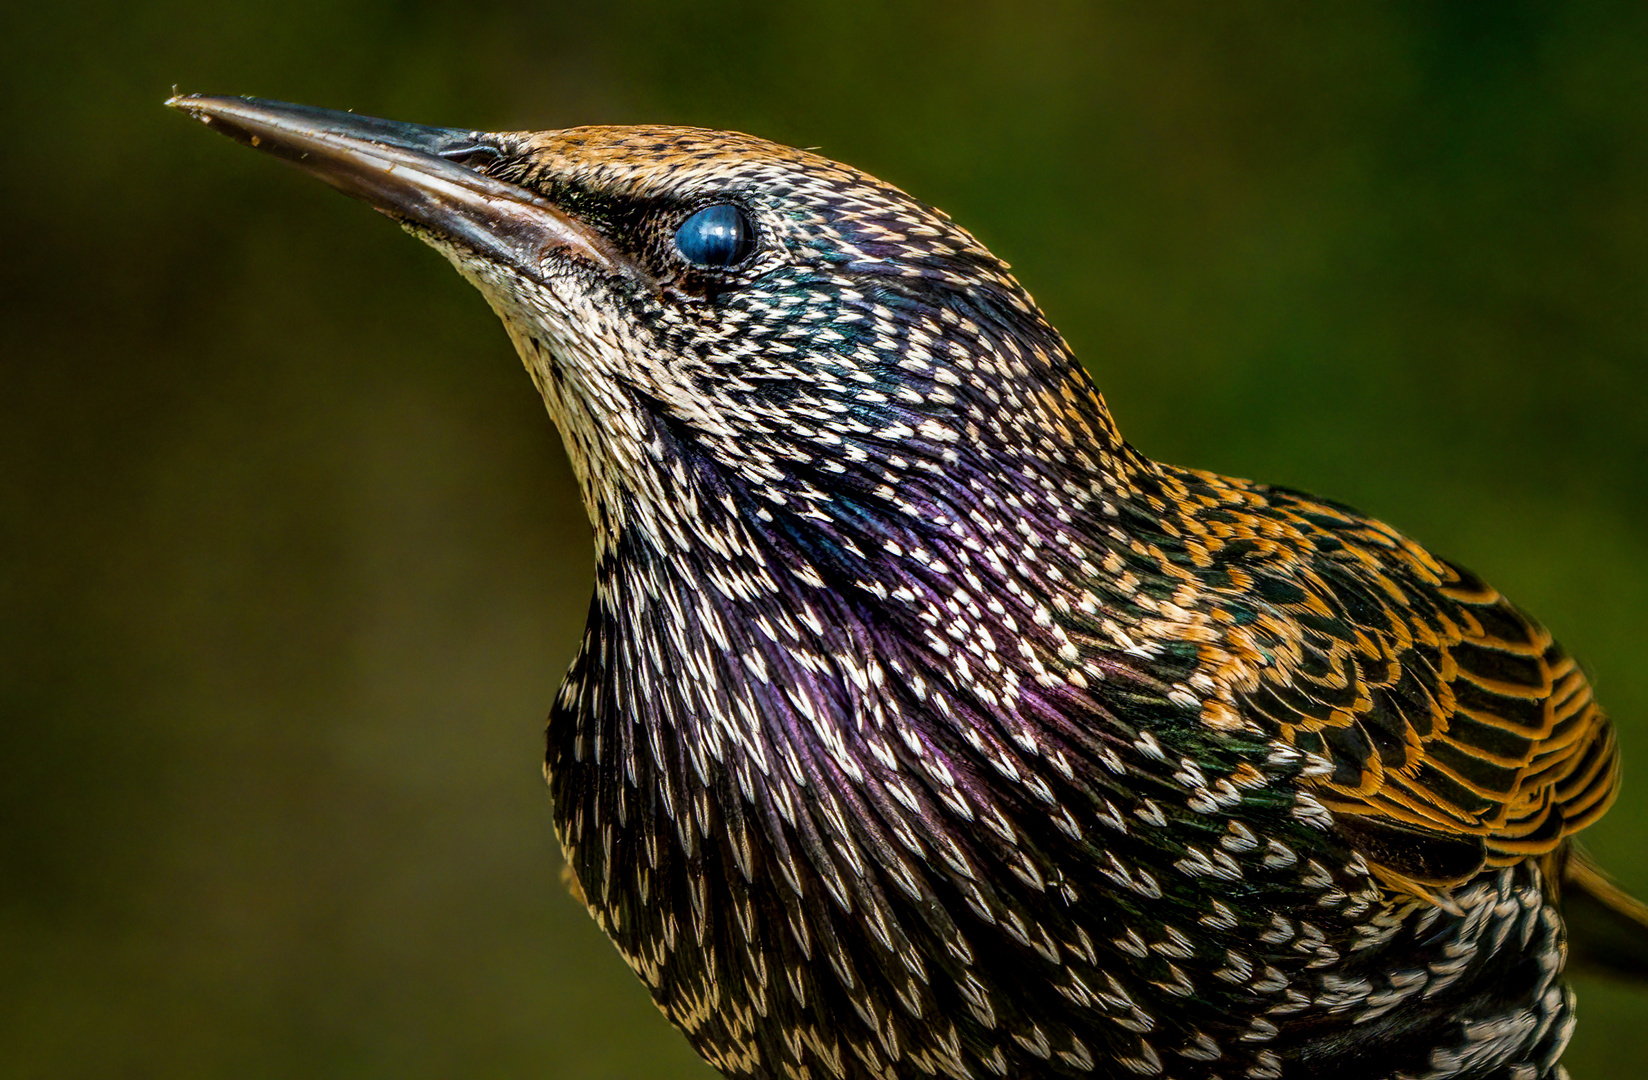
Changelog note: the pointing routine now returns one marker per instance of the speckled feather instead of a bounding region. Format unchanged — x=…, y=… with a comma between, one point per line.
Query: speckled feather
x=922, y=727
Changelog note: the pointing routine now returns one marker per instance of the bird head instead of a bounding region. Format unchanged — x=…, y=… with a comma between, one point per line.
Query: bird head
x=712, y=317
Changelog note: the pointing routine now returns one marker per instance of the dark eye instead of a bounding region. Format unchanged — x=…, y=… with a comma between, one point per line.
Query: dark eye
x=717, y=236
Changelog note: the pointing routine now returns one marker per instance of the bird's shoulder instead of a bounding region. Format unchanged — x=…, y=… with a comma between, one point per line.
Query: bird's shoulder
x=1444, y=729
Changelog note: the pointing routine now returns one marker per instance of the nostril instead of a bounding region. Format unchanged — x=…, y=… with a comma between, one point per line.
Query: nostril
x=473, y=153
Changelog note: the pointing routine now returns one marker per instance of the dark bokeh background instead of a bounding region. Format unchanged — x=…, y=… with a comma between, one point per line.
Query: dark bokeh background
x=291, y=562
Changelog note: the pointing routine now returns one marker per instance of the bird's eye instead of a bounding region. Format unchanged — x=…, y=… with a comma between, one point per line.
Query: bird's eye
x=717, y=236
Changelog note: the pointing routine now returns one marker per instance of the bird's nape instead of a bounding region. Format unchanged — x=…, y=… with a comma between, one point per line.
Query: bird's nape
x=921, y=725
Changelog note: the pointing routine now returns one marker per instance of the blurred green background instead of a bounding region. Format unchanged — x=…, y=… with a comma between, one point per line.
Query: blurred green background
x=291, y=562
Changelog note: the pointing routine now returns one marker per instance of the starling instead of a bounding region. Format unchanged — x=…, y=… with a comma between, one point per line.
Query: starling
x=922, y=727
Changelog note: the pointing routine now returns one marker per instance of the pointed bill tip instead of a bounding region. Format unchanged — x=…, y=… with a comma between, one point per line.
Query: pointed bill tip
x=202, y=106
x=188, y=104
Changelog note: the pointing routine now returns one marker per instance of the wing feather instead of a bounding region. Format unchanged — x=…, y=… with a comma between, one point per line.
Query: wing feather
x=1449, y=731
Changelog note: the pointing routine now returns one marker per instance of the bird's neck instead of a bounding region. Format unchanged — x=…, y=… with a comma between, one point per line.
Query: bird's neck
x=969, y=564
x=969, y=535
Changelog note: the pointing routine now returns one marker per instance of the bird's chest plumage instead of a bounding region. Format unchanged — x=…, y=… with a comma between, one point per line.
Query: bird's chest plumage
x=831, y=849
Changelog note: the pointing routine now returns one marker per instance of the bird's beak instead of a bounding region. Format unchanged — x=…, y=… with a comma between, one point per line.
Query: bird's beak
x=414, y=173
